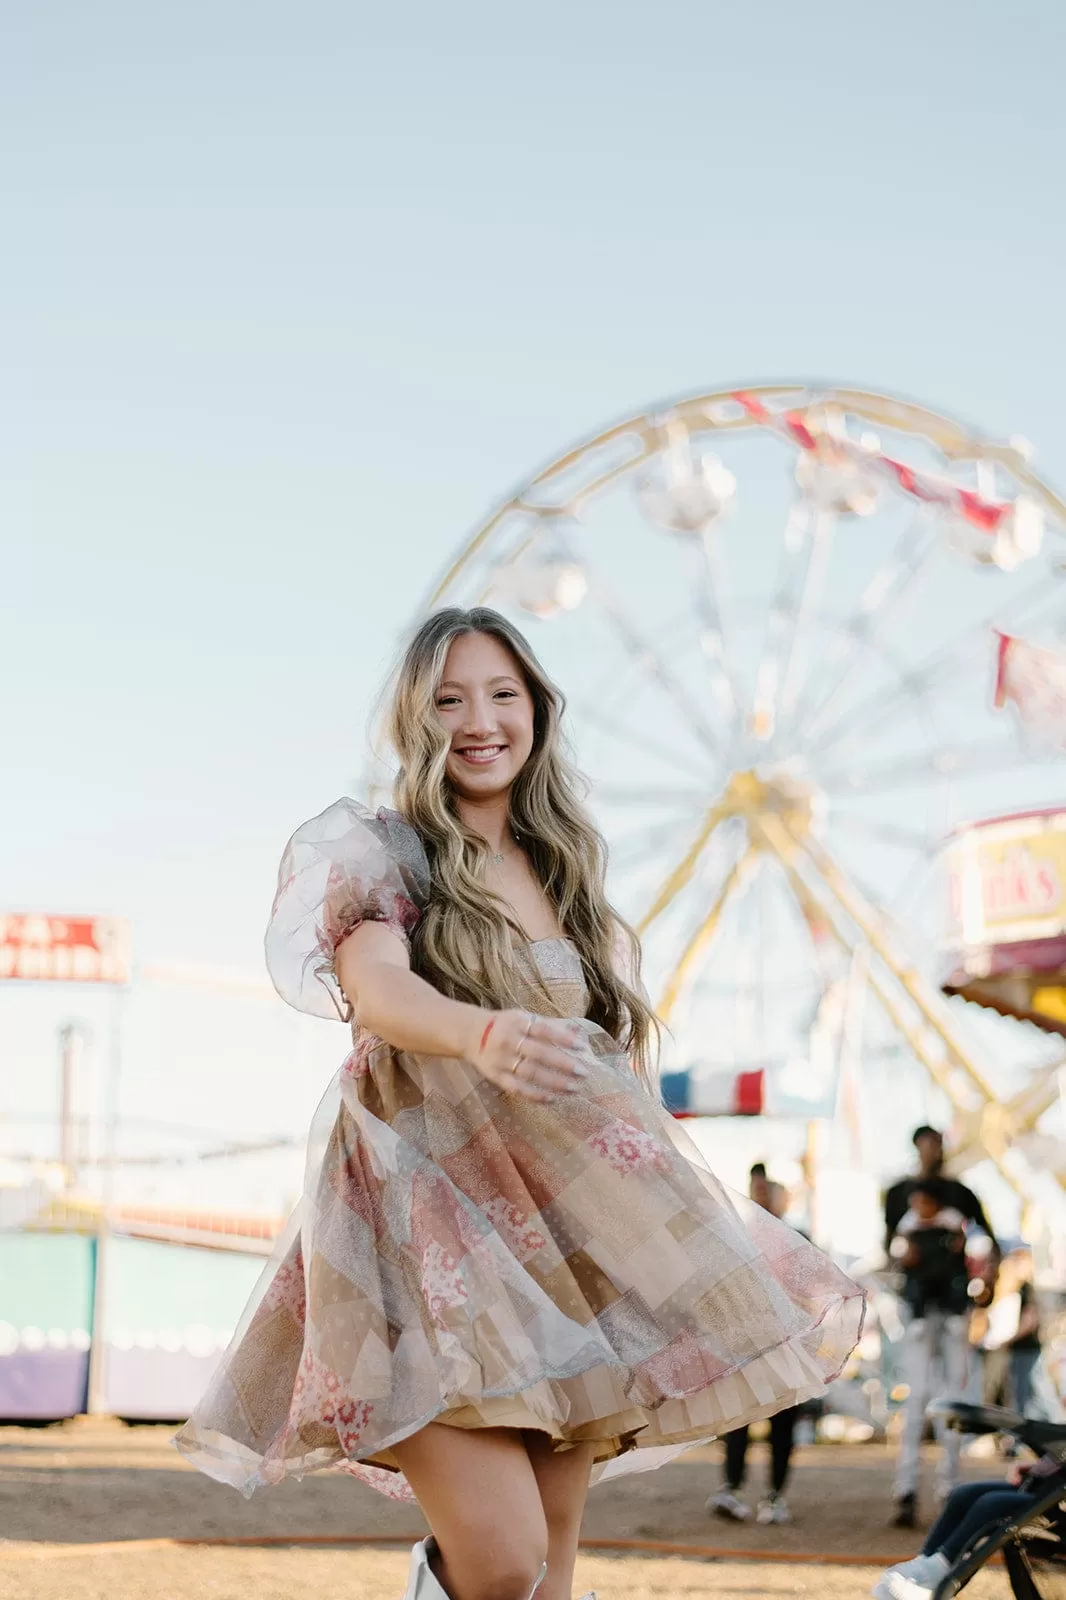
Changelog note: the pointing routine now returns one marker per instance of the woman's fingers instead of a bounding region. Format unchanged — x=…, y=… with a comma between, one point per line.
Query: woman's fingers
x=533, y=1056
x=547, y=1060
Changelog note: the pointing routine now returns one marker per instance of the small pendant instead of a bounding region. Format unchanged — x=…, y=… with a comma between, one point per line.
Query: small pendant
x=497, y=860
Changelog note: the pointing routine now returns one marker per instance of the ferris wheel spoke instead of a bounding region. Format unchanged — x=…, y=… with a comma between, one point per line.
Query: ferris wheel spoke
x=706, y=929
x=960, y=655
x=681, y=875
x=897, y=579
x=631, y=845
x=715, y=641
x=796, y=654
x=643, y=650
x=619, y=795
x=911, y=839
x=793, y=563
x=960, y=761
x=597, y=717
x=655, y=666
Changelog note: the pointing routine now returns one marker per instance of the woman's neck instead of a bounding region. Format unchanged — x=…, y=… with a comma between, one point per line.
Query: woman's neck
x=491, y=818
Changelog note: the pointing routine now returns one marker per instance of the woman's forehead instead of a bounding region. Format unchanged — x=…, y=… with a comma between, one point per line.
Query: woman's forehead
x=479, y=657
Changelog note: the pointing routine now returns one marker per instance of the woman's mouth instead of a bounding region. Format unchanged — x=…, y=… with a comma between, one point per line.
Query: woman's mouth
x=480, y=755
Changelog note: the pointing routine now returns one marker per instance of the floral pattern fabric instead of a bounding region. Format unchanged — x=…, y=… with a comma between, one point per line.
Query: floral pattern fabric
x=465, y=1256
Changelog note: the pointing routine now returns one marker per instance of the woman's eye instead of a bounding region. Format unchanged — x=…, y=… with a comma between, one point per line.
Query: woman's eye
x=505, y=694
x=448, y=700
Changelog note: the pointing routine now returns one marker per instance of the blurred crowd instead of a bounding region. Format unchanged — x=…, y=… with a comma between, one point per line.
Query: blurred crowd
x=953, y=1311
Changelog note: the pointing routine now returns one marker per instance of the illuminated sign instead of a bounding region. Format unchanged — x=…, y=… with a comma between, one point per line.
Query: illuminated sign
x=1008, y=880
x=1006, y=935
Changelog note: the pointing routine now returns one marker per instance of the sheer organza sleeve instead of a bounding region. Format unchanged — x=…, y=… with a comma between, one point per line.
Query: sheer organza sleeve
x=346, y=866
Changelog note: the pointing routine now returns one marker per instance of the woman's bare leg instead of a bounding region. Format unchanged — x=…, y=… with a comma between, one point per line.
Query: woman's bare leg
x=481, y=1497
x=563, y=1479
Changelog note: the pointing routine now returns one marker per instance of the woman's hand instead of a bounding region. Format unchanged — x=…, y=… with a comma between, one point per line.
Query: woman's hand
x=1017, y=1473
x=527, y=1055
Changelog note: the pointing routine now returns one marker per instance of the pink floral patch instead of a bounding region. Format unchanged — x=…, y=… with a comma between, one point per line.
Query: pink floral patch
x=442, y=1282
x=352, y=1418
x=287, y=1290
x=316, y=1392
x=393, y=1485
x=628, y=1149
x=514, y=1227
x=682, y=1368
x=356, y=1063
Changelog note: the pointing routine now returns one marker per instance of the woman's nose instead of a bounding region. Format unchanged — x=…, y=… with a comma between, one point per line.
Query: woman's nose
x=480, y=716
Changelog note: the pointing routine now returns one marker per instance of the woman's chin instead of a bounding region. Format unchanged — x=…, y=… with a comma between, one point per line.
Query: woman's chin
x=469, y=784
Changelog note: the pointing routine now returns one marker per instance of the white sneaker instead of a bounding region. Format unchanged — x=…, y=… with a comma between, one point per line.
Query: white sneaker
x=898, y=1585
x=919, y=1566
x=727, y=1504
x=773, y=1509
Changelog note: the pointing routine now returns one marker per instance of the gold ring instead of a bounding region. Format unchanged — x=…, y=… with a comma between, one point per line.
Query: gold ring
x=519, y=1058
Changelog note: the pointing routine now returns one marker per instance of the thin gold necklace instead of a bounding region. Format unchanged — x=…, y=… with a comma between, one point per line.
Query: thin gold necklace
x=498, y=857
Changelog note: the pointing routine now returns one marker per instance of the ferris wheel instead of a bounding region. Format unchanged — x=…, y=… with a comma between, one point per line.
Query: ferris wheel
x=774, y=610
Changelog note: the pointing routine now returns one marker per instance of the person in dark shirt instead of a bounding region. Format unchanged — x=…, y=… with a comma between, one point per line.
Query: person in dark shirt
x=930, y=1147
x=930, y=1247
x=936, y=1339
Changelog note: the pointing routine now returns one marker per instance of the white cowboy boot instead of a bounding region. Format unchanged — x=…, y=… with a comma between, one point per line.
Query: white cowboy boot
x=422, y=1585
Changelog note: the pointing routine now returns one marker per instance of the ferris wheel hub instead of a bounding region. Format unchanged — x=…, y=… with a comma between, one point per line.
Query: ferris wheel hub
x=750, y=794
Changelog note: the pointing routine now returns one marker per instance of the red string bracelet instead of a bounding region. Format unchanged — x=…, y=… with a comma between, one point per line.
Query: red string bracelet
x=488, y=1029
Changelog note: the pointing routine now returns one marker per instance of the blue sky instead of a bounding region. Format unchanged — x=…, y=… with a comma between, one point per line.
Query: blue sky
x=292, y=294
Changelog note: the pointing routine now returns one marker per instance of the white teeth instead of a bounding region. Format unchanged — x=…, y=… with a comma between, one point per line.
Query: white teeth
x=483, y=753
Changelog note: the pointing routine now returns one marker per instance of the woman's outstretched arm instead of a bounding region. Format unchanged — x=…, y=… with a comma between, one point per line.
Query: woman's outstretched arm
x=374, y=972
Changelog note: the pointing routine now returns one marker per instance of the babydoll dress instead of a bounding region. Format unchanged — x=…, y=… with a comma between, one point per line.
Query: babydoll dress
x=465, y=1256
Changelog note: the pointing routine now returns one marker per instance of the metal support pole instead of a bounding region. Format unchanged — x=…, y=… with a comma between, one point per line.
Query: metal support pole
x=71, y=1054
x=97, y=1397
x=682, y=873
x=704, y=933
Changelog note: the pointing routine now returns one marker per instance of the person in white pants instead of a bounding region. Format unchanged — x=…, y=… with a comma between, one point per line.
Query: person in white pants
x=926, y=1219
x=936, y=1357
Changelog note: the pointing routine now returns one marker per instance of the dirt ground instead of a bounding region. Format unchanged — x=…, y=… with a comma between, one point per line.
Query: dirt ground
x=91, y=1510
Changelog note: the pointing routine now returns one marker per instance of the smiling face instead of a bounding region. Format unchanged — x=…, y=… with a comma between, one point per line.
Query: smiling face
x=487, y=710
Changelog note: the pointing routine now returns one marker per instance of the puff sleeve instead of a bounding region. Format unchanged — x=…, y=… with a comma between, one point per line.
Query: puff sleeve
x=346, y=866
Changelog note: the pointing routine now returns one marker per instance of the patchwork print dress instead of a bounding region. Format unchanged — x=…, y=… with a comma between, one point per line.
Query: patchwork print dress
x=468, y=1257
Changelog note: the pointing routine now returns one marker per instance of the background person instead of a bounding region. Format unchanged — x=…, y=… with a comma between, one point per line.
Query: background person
x=929, y=1245
x=727, y=1502
x=968, y=1509
x=1008, y=1335
x=929, y=1145
x=935, y=1349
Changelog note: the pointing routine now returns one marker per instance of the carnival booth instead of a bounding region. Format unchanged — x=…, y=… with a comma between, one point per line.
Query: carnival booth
x=1007, y=935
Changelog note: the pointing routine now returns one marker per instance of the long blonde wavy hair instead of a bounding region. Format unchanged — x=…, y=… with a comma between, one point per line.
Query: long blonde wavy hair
x=464, y=941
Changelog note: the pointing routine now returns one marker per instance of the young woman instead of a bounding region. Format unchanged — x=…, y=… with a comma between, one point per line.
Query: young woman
x=505, y=1278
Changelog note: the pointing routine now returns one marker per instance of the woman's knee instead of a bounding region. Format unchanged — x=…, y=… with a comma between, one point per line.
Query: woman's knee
x=507, y=1569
